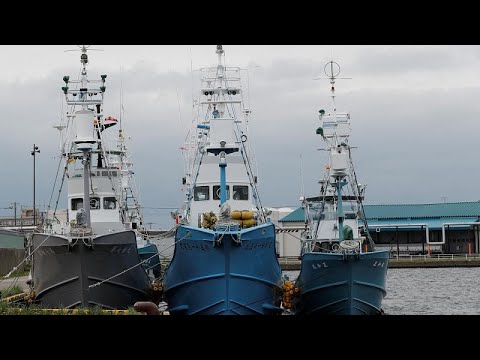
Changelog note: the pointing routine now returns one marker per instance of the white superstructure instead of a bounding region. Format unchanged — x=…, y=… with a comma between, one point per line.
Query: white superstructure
x=113, y=196
x=220, y=127
x=324, y=213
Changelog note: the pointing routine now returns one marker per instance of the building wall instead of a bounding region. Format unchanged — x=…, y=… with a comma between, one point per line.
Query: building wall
x=415, y=241
x=288, y=241
x=9, y=258
x=11, y=240
x=287, y=234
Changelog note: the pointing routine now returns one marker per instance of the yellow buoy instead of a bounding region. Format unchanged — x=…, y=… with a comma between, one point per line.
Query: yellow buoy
x=248, y=223
x=236, y=215
x=247, y=215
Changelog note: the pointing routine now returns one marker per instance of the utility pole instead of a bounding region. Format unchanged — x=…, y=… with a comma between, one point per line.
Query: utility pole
x=15, y=212
x=35, y=150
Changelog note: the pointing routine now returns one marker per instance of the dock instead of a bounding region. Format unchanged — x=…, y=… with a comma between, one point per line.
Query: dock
x=406, y=261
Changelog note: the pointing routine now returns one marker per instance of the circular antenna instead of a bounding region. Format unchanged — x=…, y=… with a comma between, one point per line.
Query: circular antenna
x=332, y=69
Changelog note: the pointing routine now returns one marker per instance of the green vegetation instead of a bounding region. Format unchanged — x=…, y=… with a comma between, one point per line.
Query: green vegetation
x=11, y=291
x=15, y=309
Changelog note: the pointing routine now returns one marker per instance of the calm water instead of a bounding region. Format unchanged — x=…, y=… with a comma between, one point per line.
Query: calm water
x=447, y=291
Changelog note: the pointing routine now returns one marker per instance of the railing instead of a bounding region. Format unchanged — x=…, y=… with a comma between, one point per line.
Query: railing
x=438, y=257
x=292, y=260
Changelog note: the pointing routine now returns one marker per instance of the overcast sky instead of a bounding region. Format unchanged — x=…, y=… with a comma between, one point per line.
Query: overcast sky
x=414, y=114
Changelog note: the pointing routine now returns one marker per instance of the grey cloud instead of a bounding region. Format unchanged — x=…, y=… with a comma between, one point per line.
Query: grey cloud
x=413, y=145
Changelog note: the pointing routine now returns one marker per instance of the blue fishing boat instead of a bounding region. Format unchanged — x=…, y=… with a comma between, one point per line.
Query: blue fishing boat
x=341, y=272
x=224, y=260
x=150, y=257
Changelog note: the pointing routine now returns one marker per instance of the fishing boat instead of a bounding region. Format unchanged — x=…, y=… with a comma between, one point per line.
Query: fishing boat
x=91, y=258
x=224, y=261
x=130, y=207
x=341, y=272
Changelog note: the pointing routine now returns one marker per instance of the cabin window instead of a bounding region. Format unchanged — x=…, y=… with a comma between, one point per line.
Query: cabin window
x=77, y=204
x=94, y=203
x=240, y=192
x=109, y=203
x=216, y=192
x=201, y=193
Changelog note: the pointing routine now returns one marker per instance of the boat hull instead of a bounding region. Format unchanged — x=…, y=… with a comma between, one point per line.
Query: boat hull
x=209, y=277
x=342, y=284
x=64, y=268
x=149, y=254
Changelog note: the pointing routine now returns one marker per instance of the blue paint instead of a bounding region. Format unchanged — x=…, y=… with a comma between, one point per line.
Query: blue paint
x=342, y=284
x=340, y=215
x=153, y=263
x=223, y=181
x=228, y=272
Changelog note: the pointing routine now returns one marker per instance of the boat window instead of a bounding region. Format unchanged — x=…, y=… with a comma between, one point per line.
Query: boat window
x=216, y=192
x=104, y=173
x=77, y=204
x=201, y=193
x=94, y=203
x=109, y=203
x=240, y=192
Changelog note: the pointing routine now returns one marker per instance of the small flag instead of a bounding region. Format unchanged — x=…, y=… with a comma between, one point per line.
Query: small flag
x=109, y=121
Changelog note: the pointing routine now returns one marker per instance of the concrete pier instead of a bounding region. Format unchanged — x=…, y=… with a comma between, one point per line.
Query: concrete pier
x=292, y=264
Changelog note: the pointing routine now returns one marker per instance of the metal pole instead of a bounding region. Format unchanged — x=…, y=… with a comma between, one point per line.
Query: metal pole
x=423, y=242
x=34, y=151
x=86, y=190
x=223, y=180
x=34, y=212
x=398, y=245
x=340, y=214
x=448, y=239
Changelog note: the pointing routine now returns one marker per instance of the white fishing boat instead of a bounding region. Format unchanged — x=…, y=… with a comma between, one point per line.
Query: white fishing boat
x=91, y=258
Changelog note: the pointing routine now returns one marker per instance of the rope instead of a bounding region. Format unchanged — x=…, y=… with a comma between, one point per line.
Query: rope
x=134, y=266
x=362, y=210
x=16, y=267
x=192, y=187
x=61, y=185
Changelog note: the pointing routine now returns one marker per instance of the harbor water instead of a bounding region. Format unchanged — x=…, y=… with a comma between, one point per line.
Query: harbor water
x=434, y=291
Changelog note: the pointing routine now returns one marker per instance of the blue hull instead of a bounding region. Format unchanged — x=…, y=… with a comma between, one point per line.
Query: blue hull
x=209, y=277
x=338, y=284
x=153, y=263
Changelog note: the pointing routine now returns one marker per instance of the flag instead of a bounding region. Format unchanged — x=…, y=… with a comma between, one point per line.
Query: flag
x=108, y=122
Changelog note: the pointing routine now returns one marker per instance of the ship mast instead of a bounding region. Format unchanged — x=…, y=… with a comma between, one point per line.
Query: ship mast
x=335, y=132
x=85, y=123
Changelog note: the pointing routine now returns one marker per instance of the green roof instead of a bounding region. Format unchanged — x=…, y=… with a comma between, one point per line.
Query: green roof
x=422, y=211
x=294, y=216
x=407, y=211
